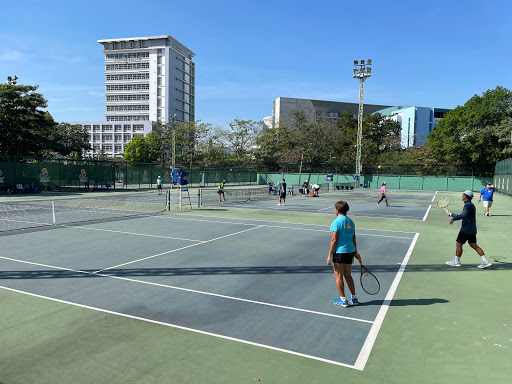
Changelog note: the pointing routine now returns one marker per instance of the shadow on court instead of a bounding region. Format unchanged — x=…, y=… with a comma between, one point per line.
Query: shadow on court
x=219, y=271
x=407, y=302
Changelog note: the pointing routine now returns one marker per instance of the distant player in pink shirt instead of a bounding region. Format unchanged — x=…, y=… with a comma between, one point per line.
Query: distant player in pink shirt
x=382, y=192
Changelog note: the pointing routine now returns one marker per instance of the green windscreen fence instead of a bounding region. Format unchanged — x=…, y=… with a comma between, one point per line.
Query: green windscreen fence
x=503, y=176
x=49, y=174
x=53, y=174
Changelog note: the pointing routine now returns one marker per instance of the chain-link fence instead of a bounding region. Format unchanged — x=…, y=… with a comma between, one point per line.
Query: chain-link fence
x=503, y=175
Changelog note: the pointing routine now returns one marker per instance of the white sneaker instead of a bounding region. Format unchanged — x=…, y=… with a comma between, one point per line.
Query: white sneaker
x=485, y=264
x=278, y=204
x=453, y=263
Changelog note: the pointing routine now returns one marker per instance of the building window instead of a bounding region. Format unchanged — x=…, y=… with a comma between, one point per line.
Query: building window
x=96, y=128
x=118, y=138
x=107, y=128
x=127, y=138
x=107, y=148
x=138, y=127
x=159, y=60
x=107, y=138
x=119, y=148
x=159, y=81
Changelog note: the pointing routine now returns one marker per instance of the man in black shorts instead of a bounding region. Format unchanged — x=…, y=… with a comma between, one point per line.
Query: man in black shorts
x=282, y=192
x=467, y=231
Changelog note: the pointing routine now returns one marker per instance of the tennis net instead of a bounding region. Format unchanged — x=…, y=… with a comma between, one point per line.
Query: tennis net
x=39, y=213
x=210, y=197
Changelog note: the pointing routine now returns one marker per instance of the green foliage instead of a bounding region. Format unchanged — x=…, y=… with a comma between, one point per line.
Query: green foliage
x=241, y=136
x=26, y=129
x=474, y=133
x=138, y=149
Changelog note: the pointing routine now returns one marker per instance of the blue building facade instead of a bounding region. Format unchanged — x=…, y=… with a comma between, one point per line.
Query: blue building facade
x=416, y=122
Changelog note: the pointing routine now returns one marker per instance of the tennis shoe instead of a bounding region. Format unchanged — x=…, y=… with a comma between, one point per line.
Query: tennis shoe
x=341, y=302
x=485, y=264
x=278, y=204
x=377, y=204
x=353, y=301
x=453, y=263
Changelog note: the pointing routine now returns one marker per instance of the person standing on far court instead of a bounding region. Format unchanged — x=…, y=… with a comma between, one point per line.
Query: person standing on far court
x=221, y=191
x=467, y=231
x=159, y=185
x=382, y=192
x=282, y=192
x=487, y=193
x=342, y=251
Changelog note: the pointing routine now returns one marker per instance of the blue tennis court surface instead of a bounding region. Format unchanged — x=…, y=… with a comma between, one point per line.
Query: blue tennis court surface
x=255, y=282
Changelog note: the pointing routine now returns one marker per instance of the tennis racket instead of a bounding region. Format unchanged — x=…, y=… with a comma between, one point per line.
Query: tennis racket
x=369, y=282
x=443, y=202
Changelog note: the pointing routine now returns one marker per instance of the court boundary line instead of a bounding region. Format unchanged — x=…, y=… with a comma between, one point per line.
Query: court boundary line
x=365, y=352
x=177, y=249
x=128, y=233
x=355, y=215
x=182, y=328
x=192, y=217
x=426, y=213
x=190, y=290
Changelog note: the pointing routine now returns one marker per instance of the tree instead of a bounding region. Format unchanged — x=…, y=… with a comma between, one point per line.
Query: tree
x=470, y=134
x=138, y=150
x=25, y=127
x=69, y=139
x=241, y=136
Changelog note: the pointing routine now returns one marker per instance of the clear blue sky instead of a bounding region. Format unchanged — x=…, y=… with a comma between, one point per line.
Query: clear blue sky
x=248, y=53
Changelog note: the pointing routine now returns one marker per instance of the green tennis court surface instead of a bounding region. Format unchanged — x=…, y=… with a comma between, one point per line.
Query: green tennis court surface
x=230, y=294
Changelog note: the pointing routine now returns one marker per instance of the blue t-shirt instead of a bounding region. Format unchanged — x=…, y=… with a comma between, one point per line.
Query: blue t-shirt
x=487, y=193
x=346, y=230
x=159, y=181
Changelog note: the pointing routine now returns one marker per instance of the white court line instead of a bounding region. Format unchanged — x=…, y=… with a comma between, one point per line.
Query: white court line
x=129, y=233
x=189, y=290
x=272, y=226
x=433, y=198
x=182, y=328
x=178, y=249
x=323, y=209
x=362, y=359
x=426, y=214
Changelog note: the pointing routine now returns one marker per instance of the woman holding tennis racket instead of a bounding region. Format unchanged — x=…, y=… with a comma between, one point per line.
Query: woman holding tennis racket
x=342, y=251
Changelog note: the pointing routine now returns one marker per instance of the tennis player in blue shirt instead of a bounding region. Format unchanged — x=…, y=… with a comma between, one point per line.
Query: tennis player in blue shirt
x=342, y=251
x=487, y=193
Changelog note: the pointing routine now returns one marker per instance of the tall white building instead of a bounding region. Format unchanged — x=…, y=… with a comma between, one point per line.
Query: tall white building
x=148, y=79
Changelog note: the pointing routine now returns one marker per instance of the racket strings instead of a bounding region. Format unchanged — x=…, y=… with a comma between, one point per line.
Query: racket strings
x=443, y=202
x=369, y=283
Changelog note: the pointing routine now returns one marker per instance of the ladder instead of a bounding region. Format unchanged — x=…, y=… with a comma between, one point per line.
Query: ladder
x=182, y=193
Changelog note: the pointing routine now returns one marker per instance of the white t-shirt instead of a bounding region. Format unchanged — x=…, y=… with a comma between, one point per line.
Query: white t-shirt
x=315, y=186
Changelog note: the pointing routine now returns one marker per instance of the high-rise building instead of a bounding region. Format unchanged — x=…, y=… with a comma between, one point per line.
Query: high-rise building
x=148, y=79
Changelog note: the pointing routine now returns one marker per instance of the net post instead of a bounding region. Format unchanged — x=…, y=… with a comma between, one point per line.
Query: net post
x=53, y=211
x=199, y=198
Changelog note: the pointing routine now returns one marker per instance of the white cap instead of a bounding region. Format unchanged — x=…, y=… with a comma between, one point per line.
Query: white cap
x=467, y=192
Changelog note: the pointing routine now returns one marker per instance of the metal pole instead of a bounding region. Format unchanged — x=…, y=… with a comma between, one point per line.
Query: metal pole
x=362, y=70
x=359, y=128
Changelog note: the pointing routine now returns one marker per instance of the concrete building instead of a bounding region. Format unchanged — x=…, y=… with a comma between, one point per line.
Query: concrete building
x=416, y=122
x=111, y=137
x=284, y=106
x=148, y=79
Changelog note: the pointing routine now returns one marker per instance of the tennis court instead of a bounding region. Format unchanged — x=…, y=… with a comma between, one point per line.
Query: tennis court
x=225, y=278
x=239, y=291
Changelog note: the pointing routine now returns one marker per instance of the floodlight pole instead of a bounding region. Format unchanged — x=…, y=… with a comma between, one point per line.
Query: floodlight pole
x=361, y=72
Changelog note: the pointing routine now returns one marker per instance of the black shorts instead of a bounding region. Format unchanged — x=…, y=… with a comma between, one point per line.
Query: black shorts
x=283, y=195
x=343, y=258
x=463, y=237
x=159, y=186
